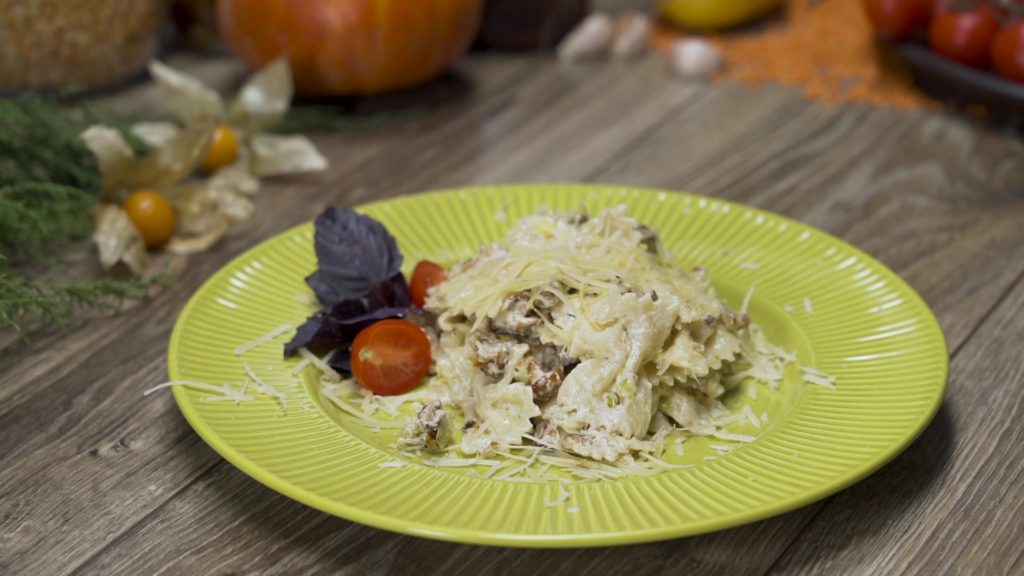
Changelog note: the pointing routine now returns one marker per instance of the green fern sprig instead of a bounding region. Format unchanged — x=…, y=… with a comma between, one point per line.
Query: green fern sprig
x=25, y=302
x=48, y=183
x=37, y=215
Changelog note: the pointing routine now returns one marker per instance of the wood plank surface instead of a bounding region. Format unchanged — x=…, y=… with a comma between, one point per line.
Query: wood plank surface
x=96, y=479
x=79, y=442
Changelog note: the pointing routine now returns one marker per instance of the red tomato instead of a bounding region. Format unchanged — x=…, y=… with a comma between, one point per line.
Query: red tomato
x=425, y=276
x=964, y=36
x=390, y=357
x=932, y=8
x=1008, y=51
x=895, y=18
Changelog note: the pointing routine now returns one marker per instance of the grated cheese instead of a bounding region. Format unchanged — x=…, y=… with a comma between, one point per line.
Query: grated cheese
x=245, y=386
x=680, y=451
x=263, y=339
x=321, y=364
x=751, y=417
x=812, y=370
x=224, y=391
x=662, y=463
x=540, y=442
x=518, y=469
x=300, y=367
x=538, y=473
x=459, y=462
x=265, y=388
x=587, y=270
x=391, y=464
x=495, y=468
x=361, y=417
x=529, y=480
x=823, y=381
x=563, y=496
x=746, y=300
x=723, y=435
x=808, y=306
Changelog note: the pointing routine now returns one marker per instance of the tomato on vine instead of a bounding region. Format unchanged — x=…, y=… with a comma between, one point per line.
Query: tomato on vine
x=895, y=19
x=1008, y=51
x=964, y=36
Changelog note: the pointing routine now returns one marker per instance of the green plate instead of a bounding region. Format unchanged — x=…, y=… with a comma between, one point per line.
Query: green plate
x=861, y=323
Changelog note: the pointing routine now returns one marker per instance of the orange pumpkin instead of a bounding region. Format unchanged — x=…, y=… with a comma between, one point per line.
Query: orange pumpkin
x=340, y=47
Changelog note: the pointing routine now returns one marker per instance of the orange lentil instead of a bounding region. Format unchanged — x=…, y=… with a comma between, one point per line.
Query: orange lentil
x=825, y=48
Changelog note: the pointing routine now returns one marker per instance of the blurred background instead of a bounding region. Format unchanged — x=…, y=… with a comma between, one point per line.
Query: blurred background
x=889, y=52
x=153, y=162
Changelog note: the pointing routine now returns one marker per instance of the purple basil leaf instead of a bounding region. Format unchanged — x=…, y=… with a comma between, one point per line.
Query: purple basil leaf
x=341, y=360
x=390, y=293
x=311, y=333
x=354, y=253
x=338, y=325
x=325, y=328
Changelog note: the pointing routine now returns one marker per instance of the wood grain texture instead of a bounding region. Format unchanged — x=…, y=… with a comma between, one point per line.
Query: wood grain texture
x=96, y=479
x=79, y=443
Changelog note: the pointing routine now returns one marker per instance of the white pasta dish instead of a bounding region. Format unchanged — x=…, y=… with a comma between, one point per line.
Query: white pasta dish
x=578, y=335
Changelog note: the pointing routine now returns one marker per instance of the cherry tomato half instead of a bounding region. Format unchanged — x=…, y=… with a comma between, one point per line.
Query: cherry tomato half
x=895, y=18
x=425, y=276
x=390, y=357
x=1008, y=51
x=964, y=36
x=152, y=215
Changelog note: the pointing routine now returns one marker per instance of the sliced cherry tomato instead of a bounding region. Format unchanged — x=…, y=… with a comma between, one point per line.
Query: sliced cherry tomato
x=390, y=357
x=425, y=276
x=1008, y=51
x=895, y=18
x=964, y=36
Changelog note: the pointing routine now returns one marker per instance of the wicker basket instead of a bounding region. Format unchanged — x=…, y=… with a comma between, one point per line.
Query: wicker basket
x=56, y=44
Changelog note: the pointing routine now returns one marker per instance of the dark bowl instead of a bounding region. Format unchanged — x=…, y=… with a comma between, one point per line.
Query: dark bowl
x=946, y=79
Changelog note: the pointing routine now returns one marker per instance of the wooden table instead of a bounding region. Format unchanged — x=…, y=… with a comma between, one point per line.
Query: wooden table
x=97, y=479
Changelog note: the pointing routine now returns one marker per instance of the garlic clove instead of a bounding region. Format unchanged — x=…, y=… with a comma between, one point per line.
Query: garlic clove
x=591, y=39
x=694, y=58
x=632, y=35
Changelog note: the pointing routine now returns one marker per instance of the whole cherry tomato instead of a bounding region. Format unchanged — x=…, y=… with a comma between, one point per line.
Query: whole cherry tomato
x=895, y=18
x=425, y=276
x=964, y=36
x=932, y=7
x=1008, y=51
